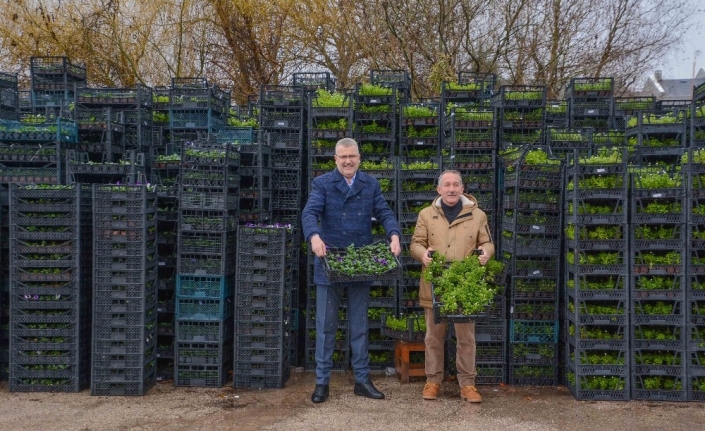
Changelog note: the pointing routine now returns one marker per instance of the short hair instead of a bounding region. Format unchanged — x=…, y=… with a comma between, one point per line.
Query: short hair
x=347, y=143
x=450, y=171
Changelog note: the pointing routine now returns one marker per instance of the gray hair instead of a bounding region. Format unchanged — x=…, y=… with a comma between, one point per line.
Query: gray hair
x=347, y=143
x=450, y=171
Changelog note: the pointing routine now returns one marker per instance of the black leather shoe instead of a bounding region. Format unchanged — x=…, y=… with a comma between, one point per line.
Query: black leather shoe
x=368, y=390
x=320, y=394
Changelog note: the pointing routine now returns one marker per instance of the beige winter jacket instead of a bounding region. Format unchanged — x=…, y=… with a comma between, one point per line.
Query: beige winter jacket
x=454, y=241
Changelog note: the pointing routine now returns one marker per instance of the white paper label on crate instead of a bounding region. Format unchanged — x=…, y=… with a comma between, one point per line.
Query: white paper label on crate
x=162, y=263
x=592, y=111
x=657, y=195
x=420, y=142
x=600, y=170
x=535, y=227
x=374, y=100
x=537, y=272
x=281, y=123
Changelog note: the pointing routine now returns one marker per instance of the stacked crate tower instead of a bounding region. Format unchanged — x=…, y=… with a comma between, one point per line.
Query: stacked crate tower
x=263, y=292
x=531, y=245
x=53, y=84
x=469, y=146
x=255, y=183
x=597, y=292
x=376, y=119
x=330, y=118
x=590, y=103
x=31, y=152
x=658, y=136
x=197, y=108
x=50, y=288
x=9, y=97
x=124, y=289
x=695, y=288
x=208, y=216
x=658, y=283
x=281, y=110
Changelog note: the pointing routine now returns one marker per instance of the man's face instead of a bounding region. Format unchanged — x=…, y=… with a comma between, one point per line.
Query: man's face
x=348, y=160
x=450, y=189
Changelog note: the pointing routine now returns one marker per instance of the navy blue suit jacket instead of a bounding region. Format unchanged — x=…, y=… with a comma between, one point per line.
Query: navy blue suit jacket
x=342, y=215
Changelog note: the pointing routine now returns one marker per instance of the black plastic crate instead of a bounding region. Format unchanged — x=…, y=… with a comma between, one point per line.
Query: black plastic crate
x=213, y=376
x=194, y=331
x=203, y=353
x=204, y=309
x=659, y=388
x=123, y=389
x=205, y=245
x=533, y=375
x=597, y=388
x=256, y=381
x=511, y=96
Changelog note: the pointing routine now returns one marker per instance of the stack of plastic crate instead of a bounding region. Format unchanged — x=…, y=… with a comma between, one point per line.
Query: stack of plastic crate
x=124, y=289
x=416, y=185
x=695, y=285
x=697, y=118
x=255, y=183
x=312, y=81
x=375, y=118
x=330, y=118
x=531, y=245
x=563, y=141
x=208, y=205
x=597, y=354
x=167, y=248
x=9, y=99
x=112, y=120
x=658, y=295
x=626, y=107
x=50, y=288
x=81, y=167
x=196, y=107
x=519, y=112
x=282, y=119
x=398, y=79
x=658, y=136
x=263, y=306
x=590, y=103
x=557, y=113
x=53, y=83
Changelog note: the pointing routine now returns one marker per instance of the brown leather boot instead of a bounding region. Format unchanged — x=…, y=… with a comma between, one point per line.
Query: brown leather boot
x=430, y=391
x=470, y=394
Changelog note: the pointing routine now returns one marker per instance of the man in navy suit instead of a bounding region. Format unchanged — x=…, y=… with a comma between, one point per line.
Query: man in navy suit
x=339, y=212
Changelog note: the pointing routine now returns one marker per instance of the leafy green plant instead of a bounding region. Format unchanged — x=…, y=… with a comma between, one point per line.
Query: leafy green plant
x=464, y=286
x=327, y=99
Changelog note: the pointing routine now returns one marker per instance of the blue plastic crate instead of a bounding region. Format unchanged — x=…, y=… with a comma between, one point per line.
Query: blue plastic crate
x=203, y=286
x=533, y=331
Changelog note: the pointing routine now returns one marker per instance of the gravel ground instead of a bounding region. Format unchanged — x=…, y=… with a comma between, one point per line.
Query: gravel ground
x=504, y=408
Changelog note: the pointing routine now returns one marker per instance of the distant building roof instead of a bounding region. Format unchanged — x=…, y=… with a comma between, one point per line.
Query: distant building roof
x=671, y=89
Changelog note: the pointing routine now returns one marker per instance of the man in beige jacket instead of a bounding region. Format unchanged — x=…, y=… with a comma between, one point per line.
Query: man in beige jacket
x=453, y=226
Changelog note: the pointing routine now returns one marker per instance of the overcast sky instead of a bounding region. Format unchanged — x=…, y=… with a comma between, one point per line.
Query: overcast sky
x=680, y=63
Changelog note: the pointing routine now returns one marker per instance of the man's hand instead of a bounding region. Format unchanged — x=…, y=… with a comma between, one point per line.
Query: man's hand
x=427, y=257
x=318, y=247
x=484, y=257
x=394, y=245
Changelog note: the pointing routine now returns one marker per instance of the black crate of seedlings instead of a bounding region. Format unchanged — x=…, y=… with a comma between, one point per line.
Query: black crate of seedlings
x=511, y=96
x=273, y=97
x=590, y=87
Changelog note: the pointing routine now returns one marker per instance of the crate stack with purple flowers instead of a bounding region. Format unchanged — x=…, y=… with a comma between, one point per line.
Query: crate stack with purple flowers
x=208, y=208
x=263, y=304
x=124, y=289
x=50, y=287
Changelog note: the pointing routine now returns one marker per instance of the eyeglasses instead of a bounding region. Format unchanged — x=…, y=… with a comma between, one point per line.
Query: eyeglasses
x=348, y=157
